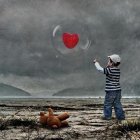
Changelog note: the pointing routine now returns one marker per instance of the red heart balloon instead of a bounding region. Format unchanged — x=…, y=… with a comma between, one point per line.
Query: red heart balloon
x=70, y=40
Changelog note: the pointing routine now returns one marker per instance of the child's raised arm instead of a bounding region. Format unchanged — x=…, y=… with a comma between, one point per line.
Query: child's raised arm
x=98, y=67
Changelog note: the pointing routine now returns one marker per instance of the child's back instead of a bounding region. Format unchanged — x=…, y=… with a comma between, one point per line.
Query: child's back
x=112, y=88
x=112, y=78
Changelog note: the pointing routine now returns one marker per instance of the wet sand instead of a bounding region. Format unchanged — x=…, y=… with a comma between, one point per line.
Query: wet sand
x=84, y=123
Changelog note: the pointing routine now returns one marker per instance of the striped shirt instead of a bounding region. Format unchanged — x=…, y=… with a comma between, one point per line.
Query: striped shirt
x=112, y=78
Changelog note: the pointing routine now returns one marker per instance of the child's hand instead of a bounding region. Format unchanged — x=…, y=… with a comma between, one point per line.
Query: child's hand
x=95, y=61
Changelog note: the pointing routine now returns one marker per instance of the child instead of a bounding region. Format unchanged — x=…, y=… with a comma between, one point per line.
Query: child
x=112, y=89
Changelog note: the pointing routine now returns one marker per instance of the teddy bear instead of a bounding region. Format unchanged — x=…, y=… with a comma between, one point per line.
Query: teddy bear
x=43, y=118
x=53, y=120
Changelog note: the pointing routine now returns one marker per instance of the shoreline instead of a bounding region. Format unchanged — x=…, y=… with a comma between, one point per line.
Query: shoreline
x=84, y=122
x=62, y=97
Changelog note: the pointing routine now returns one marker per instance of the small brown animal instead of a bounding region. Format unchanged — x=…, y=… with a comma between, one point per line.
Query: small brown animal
x=43, y=118
x=63, y=116
x=64, y=123
x=52, y=120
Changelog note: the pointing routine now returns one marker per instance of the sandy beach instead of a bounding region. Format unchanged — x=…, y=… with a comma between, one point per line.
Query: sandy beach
x=19, y=119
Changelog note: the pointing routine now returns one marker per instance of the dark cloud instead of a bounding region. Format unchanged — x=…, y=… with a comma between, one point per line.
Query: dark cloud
x=27, y=47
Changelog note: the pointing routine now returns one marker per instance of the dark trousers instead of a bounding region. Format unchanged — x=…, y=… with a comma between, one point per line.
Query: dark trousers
x=112, y=99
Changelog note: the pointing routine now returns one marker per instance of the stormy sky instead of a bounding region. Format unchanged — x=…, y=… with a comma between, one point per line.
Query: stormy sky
x=31, y=60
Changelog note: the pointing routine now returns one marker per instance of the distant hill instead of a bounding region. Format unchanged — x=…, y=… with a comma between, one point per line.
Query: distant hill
x=7, y=90
x=77, y=92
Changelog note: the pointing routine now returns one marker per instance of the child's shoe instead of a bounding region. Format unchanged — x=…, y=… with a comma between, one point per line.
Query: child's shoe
x=104, y=118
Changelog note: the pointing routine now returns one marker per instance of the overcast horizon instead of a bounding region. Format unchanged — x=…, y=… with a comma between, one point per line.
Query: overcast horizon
x=34, y=58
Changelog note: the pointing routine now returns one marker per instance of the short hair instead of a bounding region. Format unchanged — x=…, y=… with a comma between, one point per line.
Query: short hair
x=115, y=64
